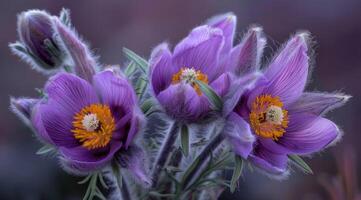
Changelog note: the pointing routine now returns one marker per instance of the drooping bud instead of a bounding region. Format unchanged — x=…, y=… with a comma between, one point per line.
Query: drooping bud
x=23, y=107
x=37, y=44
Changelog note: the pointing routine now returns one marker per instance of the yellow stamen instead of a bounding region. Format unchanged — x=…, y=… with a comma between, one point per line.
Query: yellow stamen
x=94, y=126
x=267, y=117
x=190, y=75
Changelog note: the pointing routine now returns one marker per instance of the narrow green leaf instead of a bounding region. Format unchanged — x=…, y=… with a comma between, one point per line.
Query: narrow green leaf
x=212, y=96
x=141, y=62
x=237, y=172
x=147, y=106
x=117, y=174
x=102, y=182
x=189, y=170
x=299, y=162
x=130, y=69
x=45, y=149
x=140, y=87
x=185, y=140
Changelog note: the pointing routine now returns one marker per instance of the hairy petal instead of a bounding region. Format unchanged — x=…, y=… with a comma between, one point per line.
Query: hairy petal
x=227, y=23
x=115, y=91
x=161, y=68
x=246, y=56
x=80, y=160
x=23, y=107
x=182, y=102
x=308, y=134
x=133, y=159
x=287, y=73
x=239, y=134
x=85, y=64
x=200, y=50
x=318, y=103
x=268, y=161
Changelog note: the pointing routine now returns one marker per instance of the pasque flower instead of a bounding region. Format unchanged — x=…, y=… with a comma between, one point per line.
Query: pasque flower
x=206, y=55
x=90, y=117
x=277, y=118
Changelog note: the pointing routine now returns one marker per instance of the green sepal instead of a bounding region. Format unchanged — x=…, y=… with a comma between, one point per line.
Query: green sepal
x=212, y=96
x=237, y=172
x=185, y=140
x=300, y=163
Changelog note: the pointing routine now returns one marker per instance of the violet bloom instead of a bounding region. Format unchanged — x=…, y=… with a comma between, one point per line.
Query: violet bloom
x=277, y=118
x=88, y=123
x=205, y=55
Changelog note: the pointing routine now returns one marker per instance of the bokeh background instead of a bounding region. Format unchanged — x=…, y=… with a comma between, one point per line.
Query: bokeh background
x=140, y=25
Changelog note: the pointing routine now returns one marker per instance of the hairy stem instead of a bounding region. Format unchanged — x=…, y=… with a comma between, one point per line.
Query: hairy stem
x=125, y=190
x=164, y=153
x=202, y=157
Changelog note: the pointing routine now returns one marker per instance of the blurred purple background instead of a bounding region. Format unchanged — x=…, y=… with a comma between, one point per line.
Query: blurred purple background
x=140, y=25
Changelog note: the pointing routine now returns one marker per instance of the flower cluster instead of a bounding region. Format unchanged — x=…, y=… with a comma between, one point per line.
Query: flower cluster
x=220, y=107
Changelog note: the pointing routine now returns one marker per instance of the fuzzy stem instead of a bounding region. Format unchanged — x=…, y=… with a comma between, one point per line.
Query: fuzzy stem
x=164, y=153
x=125, y=190
x=202, y=157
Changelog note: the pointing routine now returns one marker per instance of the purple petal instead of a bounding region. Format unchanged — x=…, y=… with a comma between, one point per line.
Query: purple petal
x=221, y=84
x=318, y=103
x=133, y=159
x=182, y=102
x=246, y=56
x=288, y=71
x=37, y=122
x=270, y=162
x=239, y=135
x=115, y=91
x=200, y=50
x=308, y=133
x=23, y=107
x=67, y=95
x=237, y=88
x=135, y=124
x=161, y=68
x=227, y=23
x=84, y=63
x=80, y=160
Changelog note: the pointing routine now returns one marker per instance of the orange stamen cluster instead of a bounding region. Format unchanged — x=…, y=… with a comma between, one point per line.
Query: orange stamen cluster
x=190, y=75
x=94, y=126
x=267, y=118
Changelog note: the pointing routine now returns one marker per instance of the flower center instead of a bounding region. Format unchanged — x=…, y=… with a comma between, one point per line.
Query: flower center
x=190, y=76
x=93, y=126
x=267, y=117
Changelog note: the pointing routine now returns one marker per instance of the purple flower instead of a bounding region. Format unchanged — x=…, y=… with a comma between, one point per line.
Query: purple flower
x=277, y=117
x=90, y=124
x=207, y=55
x=37, y=36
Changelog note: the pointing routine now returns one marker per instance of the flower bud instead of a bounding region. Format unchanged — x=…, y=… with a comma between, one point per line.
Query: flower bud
x=37, y=36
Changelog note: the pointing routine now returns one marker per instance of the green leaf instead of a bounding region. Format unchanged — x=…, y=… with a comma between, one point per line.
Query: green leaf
x=300, y=163
x=237, y=172
x=141, y=86
x=117, y=174
x=141, y=62
x=131, y=68
x=92, y=189
x=212, y=96
x=45, y=149
x=185, y=140
x=189, y=170
x=147, y=106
